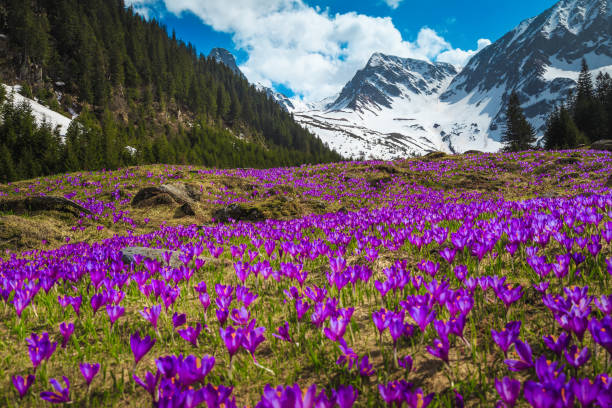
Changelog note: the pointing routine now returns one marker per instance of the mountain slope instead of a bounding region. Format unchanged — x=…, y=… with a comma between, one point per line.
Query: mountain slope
x=396, y=107
x=540, y=59
x=390, y=109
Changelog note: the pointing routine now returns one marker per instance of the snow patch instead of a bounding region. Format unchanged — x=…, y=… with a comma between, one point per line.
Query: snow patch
x=41, y=113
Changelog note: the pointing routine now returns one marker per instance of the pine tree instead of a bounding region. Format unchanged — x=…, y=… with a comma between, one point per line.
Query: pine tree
x=519, y=134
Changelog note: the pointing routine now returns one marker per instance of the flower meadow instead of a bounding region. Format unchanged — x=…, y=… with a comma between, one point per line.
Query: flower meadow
x=476, y=280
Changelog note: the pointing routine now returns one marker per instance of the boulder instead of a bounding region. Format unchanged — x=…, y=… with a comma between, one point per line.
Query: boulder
x=238, y=212
x=603, y=144
x=185, y=210
x=43, y=203
x=180, y=193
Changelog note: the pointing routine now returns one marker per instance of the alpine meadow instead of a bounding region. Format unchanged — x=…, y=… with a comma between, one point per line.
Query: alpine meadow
x=305, y=204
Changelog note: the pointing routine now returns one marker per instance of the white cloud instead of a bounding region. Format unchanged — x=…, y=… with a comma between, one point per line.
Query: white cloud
x=459, y=57
x=309, y=50
x=393, y=3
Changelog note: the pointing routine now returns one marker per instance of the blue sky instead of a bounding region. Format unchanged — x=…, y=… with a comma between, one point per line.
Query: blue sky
x=312, y=47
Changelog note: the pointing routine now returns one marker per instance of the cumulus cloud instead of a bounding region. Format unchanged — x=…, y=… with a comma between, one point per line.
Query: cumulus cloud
x=459, y=57
x=306, y=49
x=393, y=3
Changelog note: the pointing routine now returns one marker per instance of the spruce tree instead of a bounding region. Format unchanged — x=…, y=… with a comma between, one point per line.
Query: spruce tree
x=561, y=131
x=586, y=110
x=519, y=134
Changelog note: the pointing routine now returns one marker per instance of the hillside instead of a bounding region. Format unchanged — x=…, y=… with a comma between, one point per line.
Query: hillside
x=133, y=276
x=134, y=85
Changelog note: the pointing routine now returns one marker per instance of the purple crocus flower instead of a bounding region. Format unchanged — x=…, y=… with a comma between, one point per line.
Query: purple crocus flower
x=204, y=301
x=139, y=346
x=301, y=307
x=406, y=363
x=151, y=314
x=557, y=344
x=542, y=395
x=193, y=369
x=222, y=315
x=114, y=313
x=66, y=331
x=60, y=395
x=507, y=336
x=380, y=320
x=240, y=316
x=508, y=390
x=576, y=357
x=525, y=355
x=448, y=254
x=178, y=319
x=283, y=333
x=586, y=391
x=602, y=332
x=365, y=367
x=439, y=349
x=40, y=348
x=97, y=301
x=191, y=334
x=232, y=339
x=460, y=272
x=346, y=396
x=149, y=383
x=252, y=339
x=604, y=303
x=89, y=371
x=509, y=294
x=422, y=315
x=337, y=328
x=22, y=385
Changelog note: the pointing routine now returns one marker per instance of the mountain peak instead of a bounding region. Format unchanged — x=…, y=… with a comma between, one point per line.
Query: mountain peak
x=225, y=57
x=573, y=16
x=386, y=77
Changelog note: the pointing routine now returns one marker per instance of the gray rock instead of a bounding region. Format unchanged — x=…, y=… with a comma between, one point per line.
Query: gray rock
x=180, y=193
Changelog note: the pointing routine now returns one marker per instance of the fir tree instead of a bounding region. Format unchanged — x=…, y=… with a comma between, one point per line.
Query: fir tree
x=519, y=134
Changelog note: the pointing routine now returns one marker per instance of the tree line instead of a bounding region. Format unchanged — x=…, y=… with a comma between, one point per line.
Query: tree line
x=585, y=117
x=136, y=85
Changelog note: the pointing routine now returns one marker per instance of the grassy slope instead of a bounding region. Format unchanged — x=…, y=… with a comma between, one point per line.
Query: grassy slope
x=344, y=186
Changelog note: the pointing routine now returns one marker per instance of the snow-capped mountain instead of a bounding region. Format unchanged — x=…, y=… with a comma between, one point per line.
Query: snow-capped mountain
x=540, y=59
x=225, y=57
x=396, y=107
x=380, y=113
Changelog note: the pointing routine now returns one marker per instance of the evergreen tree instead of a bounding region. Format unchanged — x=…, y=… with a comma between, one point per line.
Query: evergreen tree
x=519, y=134
x=585, y=106
x=561, y=131
x=7, y=168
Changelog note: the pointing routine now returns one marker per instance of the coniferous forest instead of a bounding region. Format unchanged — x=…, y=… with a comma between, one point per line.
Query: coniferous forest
x=586, y=116
x=132, y=84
